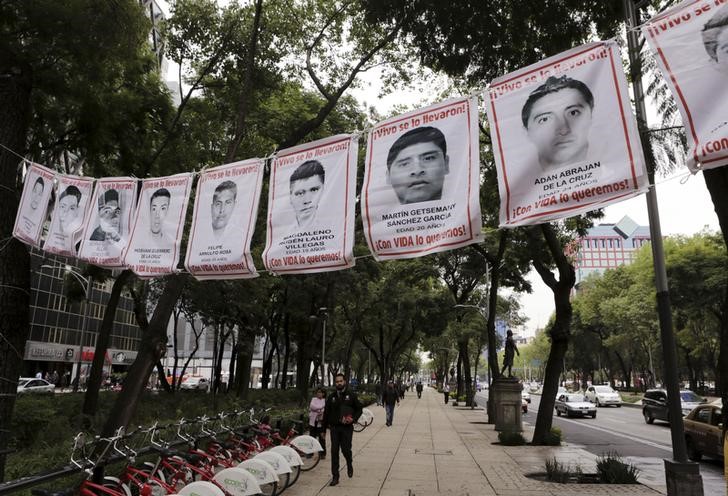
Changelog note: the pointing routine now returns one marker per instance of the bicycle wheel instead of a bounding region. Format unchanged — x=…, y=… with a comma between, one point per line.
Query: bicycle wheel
x=285, y=482
x=310, y=460
x=295, y=474
x=270, y=489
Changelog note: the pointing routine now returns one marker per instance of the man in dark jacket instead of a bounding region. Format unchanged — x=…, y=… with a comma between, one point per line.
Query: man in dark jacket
x=341, y=411
x=419, y=389
x=390, y=397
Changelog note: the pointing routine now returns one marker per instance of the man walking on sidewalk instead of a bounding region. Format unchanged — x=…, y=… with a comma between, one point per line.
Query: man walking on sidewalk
x=341, y=411
x=391, y=396
x=446, y=391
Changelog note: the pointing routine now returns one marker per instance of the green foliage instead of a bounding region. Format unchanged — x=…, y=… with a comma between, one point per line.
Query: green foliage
x=44, y=426
x=557, y=471
x=553, y=437
x=511, y=438
x=615, y=313
x=613, y=470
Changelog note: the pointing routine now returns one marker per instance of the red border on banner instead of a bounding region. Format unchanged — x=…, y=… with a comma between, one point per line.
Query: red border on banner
x=247, y=234
x=274, y=171
x=426, y=110
x=500, y=145
x=82, y=179
x=691, y=125
x=180, y=224
x=21, y=235
x=94, y=201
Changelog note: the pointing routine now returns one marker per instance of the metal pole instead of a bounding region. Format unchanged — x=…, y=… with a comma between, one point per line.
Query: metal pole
x=369, y=362
x=323, y=348
x=77, y=383
x=675, y=473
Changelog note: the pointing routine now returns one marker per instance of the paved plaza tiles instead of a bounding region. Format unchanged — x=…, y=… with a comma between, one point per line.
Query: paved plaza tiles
x=434, y=449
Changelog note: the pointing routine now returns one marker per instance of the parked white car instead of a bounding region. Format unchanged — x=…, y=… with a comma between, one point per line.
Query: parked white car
x=33, y=385
x=603, y=396
x=195, y=383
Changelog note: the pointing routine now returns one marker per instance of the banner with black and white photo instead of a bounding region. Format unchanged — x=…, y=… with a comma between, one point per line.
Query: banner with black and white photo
x=564, y=136
x=33, y=204
x=311, y=207
x=421, y=182
x=690, y=43
x=226, y=208
x=108, y=225
x=153, y=248
x=73, y=194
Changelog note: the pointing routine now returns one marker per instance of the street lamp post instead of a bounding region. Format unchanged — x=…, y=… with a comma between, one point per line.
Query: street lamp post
x=324, y=374
x=86, y=284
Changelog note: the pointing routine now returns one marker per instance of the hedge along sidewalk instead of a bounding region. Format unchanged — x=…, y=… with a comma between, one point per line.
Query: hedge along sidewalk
x=434, y=449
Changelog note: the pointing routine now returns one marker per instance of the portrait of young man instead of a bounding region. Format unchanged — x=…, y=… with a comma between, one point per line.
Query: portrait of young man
x=715, y=39
x=306, y=187
x=158, y=210
x=417, y=163
x=222, y=207
x=557, y=117
x=68, y=210
x=37, y=194
x=109, y=219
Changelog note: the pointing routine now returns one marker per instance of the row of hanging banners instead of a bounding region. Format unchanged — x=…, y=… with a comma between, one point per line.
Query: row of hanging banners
x=564, y=137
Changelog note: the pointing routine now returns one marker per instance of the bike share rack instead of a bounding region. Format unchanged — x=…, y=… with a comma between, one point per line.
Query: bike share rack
x=70, y=469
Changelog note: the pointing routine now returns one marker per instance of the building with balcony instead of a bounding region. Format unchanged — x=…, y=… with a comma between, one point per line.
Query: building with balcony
x=607, y=246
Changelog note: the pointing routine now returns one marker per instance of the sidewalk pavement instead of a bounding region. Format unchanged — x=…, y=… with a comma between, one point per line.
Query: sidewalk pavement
x=437, y=449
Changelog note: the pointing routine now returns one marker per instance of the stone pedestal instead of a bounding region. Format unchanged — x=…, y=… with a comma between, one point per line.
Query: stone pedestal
x=506, y=394
x=683, y=479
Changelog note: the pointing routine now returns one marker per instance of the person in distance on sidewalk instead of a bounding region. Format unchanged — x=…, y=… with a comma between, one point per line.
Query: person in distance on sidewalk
x=390, y=397
x=316, y=418
x=341, y=411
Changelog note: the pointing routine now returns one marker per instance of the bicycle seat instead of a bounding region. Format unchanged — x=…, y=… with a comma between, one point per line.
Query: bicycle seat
x=193, y=458
x=48, y=492
x=165, y=452
x=260, y=432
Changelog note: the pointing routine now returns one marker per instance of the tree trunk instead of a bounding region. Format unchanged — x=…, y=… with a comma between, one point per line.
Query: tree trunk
x=91, y=398
x=460, y=389
x=561, y=328
x=15, y=85
x=626, y=371
x=244, y=360
x=287, y=351
x=469, y=397
x=716, y=181
x=218, y=362
x=162, y=378
x=267, y=370
x=231, y=369
x=151, y=349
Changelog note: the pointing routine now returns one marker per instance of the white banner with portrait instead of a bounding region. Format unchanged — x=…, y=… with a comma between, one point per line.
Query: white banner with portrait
x=690, y=43
x=154, y=245
x=109, y=219
x=421, y=182
x=564, y=137
x=226, y=208
x=73, y=195
x=33, y=204
x=311, y=207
